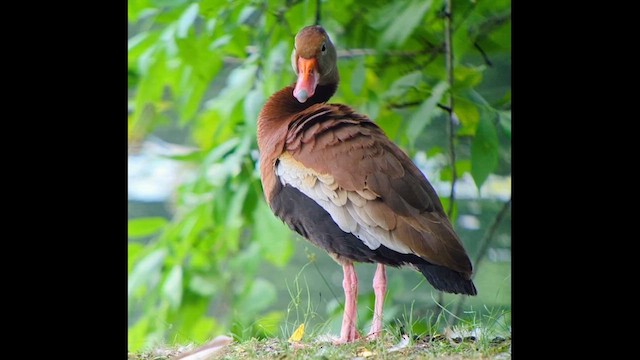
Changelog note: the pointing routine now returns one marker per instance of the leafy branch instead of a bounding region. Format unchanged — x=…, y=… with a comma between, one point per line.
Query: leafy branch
x=415, y=103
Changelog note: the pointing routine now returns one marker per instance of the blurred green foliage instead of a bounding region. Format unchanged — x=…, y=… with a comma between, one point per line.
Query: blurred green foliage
x=210, y=65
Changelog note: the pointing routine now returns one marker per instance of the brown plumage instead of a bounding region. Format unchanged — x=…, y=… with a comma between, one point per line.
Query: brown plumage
x=335, y=178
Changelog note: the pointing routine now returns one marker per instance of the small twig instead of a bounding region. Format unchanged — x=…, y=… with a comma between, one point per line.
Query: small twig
x=415, y=103
x=484, y=55
x=483, y=29
x=484, y=246
x=317, y=12
x=484, y=243
x=412, y=59
x=326, y=282
x=404, y=105
x=445, y=108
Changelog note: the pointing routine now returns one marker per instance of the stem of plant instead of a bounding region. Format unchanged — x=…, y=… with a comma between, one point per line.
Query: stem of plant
x=452, y=152
x=449, y=64
x=484, y=246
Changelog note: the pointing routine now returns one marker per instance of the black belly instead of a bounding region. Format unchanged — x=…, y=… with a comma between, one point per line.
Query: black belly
x=310, y=220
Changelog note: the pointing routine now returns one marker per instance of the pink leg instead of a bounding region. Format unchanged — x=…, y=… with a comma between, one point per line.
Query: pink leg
x=379, y=289
x=350, y=285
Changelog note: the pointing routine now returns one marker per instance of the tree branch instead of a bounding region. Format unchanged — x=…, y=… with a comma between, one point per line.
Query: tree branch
x=448, y=50
x=317, y=12
x=350, y=53
x=449, y=63
x=484, y=246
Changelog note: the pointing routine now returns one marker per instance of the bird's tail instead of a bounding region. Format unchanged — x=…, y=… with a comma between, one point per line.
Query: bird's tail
x=447, y=280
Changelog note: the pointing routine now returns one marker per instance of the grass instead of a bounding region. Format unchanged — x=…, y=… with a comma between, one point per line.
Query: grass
x=487, y=336
x=385, y=348
x=388, y=347
x=480, y=334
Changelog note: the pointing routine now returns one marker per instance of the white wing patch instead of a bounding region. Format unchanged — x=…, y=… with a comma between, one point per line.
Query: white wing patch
x=348, y=209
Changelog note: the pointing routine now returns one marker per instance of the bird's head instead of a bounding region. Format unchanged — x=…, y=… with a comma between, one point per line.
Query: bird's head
x=314, y=61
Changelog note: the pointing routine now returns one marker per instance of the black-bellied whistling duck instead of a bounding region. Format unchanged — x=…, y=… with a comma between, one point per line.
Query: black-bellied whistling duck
x=334, y=177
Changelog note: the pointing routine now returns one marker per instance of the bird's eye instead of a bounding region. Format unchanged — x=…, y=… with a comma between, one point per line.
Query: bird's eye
x=324, y=48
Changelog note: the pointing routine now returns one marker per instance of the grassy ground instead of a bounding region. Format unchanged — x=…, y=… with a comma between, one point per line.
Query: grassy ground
x=451, y=345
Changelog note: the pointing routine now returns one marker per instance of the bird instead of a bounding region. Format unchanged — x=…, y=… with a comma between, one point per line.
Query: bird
x=334, y=177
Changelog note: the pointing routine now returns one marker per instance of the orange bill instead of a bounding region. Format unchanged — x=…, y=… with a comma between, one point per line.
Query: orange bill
x=308, y=77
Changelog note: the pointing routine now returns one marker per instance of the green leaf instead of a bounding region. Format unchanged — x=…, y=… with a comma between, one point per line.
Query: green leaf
x=273, y=236
x=261, y=294
x=484, y=151
x=204, y=129
x=132, y=78
x=172, y=288
x=505, y=122
x=467, y=77
x=147, y=271
x=220, y=42
x=278, y=65
x=462, y=166
x=168, y=3
x=246, y=14
x=239, y=82
x=201, y=330
x=204, y=59
x=220, y=151
x=135, y=41
x=384, y=16
x=434, y=151
x=445, y=205
x=136, y=334
x=190, y=155
x=186, y=20
x=210, y=8
x=404, y=84
x=133, y=252
x=252, y=106
x=461, y=43
x=234, y=208
x=425, y=112
x=141, y=227
x=475, y=97
x=371, y=108
x=135, y=8
x=268, y=324
x=202, y=285
x=404, y=24
x=191, y=97
x=467, y=113
x=391, y=122
x=149, y=92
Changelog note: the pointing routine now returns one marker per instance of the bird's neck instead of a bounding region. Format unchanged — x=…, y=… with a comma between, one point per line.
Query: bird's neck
x=283, y=104
x=322, y=94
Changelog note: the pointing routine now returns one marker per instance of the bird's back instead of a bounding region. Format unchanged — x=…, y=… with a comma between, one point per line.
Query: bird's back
x=335, y=178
